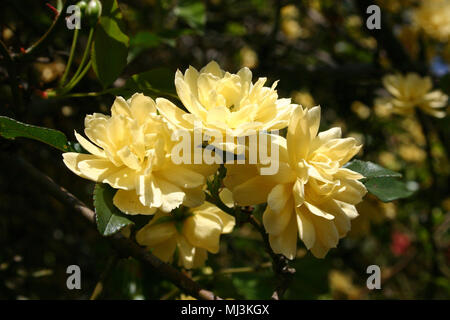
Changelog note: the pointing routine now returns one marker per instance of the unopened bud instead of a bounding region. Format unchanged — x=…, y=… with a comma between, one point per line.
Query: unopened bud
x=93, y=12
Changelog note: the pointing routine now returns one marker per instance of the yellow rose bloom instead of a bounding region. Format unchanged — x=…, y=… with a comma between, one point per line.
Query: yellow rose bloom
x=194, y=232
x=433, y=16
x=311, y=195
x=222, y=101
x=130, y=151
x=410, y=91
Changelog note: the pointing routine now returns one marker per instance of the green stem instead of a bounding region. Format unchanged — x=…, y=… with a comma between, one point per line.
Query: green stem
x=75, y=81
x=85, y=94
x=71, y=55
x=85, y=56
x=218, y=202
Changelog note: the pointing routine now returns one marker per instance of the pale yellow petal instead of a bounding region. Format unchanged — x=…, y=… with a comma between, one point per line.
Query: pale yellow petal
x=275, y=222
x=89, y=147
x=318, y=211
x=165, y=250
x=353, y=192
x=172, y=113
x=182, y=176
x=97, y=169
x=141, y=107
x=319, y=250
x=227, y=197
x=306, y=230
x=154, y=234
x=72, y=159
x=171, y=195
x=237, y=174
x=120, y=107
x=278, y=197
x=186, y=253
x=203, y=231
x=212, y=68
x=286, y=242
x=124, y=178
x=128, y=202
x=253, y=191
x=326, y=231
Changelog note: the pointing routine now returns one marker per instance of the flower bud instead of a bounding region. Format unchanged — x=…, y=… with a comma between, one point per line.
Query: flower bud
x=93, y=12
x=82, y=5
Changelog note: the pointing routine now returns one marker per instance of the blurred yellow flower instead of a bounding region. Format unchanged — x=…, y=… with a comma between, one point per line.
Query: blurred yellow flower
x=414, y=129
x=361, y=110
x=303, y=98
x=371, y=210
x=388, y=159
x=433, y=16
x=382, y=110
x=404, y=93
x=289, y=22
x=342, y=286
x=412, y=153
x=311, y=194
x=249, y=57
x=223, y=102
x=131, y=152
x=194, y=232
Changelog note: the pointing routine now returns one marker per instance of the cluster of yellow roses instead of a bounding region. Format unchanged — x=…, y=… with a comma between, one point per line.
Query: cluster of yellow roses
x=311, y=196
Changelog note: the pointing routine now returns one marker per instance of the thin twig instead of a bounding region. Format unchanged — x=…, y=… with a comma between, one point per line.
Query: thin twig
x=47, y=36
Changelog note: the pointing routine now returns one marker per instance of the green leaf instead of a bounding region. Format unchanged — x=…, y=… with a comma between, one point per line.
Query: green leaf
x=11, y=129
x=388, y=188
x=110, y=49
x=192, y=12
x=108, y=217
x=155, y=82
x=158, y=79
x=370, y=170
x=110, y=9
x=145, y=39
x=379, y=181
x=141, y=41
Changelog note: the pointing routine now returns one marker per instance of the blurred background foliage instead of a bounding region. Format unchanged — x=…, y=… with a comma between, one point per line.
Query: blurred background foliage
x=322, y=53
